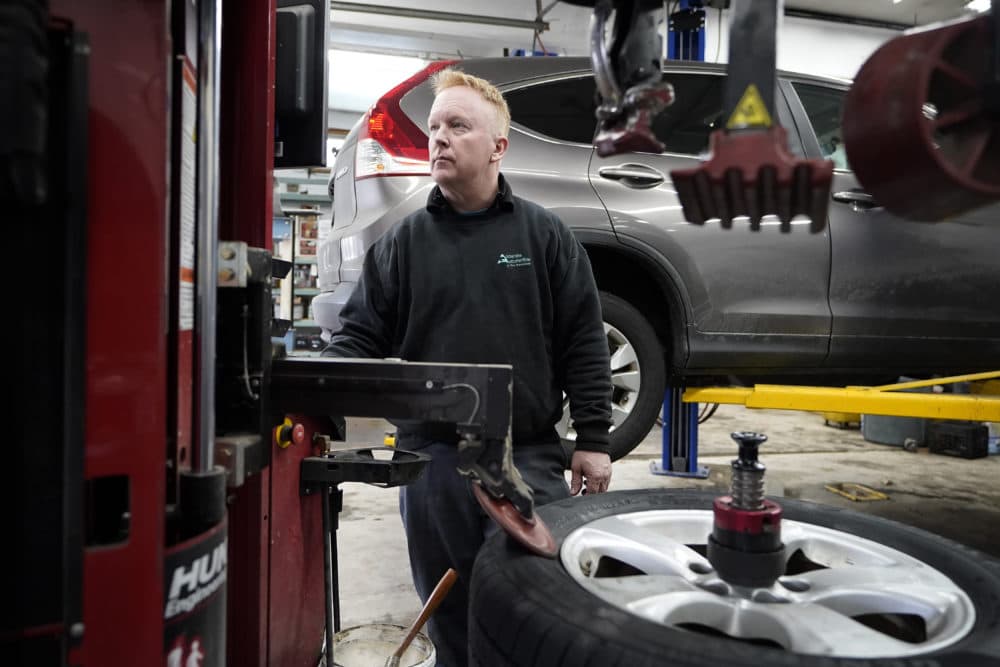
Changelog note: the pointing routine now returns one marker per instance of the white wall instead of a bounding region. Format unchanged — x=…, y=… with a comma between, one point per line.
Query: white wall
x=567, y=34
x=808, y=46
x=804, y=45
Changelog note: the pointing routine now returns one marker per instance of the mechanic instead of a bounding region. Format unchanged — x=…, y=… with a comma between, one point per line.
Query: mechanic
x=483, y=276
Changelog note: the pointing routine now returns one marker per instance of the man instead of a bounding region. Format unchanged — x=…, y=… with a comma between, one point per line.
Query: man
x=482, y=276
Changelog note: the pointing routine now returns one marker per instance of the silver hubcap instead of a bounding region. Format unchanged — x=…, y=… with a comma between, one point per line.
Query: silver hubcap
x=857, y=598
x=625, y=380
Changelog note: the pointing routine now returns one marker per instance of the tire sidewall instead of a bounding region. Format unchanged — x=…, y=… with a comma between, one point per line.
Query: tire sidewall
x=640, y=334
x=556, y=599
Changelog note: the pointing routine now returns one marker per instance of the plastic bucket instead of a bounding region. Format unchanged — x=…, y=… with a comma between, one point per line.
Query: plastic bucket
x=889, y=430
x=370, y=645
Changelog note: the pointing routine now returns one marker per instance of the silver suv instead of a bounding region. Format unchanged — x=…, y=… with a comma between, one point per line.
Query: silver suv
x=869, y=298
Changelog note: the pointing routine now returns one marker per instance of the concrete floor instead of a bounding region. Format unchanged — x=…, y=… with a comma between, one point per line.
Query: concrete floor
x=951, y=497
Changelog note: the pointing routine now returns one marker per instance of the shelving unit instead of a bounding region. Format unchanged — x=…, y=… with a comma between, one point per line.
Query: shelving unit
x=306, y=205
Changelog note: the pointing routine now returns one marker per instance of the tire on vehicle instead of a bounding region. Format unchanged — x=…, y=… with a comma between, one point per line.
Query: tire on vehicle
x=627, y=328
x=527, y=610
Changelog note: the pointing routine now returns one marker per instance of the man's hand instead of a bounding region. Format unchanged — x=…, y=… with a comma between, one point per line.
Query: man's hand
x=592, y=469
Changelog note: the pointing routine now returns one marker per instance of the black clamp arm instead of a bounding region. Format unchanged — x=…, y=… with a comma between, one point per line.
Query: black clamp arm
x=628, y=76
x=491, y=462
x=474, y=398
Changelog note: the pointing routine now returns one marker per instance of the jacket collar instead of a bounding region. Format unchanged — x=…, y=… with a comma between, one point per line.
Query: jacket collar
x=504, y=201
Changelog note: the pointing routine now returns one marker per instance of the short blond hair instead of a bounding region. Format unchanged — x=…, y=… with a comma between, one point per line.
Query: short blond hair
x=450, y=78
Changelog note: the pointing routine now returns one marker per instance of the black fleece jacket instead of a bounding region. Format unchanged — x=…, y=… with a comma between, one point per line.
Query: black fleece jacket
x=507, y=285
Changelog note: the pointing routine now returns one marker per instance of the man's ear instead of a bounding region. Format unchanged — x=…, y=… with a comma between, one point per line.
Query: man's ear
x=499, y=149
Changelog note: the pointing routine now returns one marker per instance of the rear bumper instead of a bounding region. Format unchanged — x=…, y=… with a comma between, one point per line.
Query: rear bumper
x=327, y=306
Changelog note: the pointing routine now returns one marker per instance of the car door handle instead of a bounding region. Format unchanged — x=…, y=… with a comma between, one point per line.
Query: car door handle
x=859, y=200
x=633, y=175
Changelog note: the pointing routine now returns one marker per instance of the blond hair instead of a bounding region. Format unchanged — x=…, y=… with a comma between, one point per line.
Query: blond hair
x=450, y=78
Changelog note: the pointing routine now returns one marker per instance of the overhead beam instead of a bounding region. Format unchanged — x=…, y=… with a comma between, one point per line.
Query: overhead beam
x=849, y=20
x=433, y=15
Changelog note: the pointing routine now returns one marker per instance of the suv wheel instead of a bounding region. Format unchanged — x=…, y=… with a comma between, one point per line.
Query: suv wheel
x=638, y=377
x=632, y=586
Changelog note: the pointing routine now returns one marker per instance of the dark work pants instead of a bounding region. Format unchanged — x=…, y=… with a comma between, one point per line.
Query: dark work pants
x=445, y=526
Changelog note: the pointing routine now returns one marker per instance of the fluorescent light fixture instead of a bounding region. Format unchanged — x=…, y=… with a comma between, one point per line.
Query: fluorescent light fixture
x=978, y=5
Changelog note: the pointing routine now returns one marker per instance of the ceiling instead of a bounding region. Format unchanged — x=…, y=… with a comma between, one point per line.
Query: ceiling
x=902, y=12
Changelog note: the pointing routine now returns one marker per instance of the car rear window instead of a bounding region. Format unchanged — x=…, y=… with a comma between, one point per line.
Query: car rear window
x=565, y=109
x=561, y=109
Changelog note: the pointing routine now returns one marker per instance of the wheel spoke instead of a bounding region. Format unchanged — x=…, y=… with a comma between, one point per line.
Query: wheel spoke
x=956, y=75
x=628, y=380
x=823, y=583
x=619, y=414
x=979, y=144
x=827, y=548
x=646, y=594
x=964, y=113
x=814, y=628
x=645, y=549
x=563, y=425
x=623, y=357
x=889, y=590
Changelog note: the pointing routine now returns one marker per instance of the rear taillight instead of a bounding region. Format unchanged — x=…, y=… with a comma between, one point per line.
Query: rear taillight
x=389, y=143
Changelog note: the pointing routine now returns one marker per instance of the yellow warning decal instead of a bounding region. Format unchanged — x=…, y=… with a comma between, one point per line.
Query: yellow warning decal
x=750, y=111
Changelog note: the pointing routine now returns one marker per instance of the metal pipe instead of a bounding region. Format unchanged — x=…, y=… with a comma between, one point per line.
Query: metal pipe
x=328, y=575
x=548, y=8
x=995, y=11
x=209, y=62
x=604, y=75
x=849, y=20
x=536, y=25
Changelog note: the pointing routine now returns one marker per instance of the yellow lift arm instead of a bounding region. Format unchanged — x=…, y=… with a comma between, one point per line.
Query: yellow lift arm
x=884, y=400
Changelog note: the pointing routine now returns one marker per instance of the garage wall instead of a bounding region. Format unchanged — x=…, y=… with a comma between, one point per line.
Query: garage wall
x=809, y=46
x=804, y=45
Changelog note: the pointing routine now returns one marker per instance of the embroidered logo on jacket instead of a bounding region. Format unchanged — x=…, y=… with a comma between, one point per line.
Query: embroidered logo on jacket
x=514, y=260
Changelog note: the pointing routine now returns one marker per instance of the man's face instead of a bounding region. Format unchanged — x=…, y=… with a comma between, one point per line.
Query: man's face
x=461, y=136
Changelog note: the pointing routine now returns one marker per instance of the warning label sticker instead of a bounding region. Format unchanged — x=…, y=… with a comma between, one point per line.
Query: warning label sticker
x=750, y=111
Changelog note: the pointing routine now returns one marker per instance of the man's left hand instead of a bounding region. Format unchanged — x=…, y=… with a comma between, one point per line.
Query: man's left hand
x=591, y=471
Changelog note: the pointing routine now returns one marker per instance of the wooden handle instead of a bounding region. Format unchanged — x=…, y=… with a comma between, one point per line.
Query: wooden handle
x=432, y=603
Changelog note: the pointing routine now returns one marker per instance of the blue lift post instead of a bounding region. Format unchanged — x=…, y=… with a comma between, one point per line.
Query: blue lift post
x=680, y=438
x=686, y=32
x=685, y=41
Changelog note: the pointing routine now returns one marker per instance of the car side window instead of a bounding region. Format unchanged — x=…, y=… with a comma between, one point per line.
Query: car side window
x=562, y=109
x=685, y=125
x=824, y=107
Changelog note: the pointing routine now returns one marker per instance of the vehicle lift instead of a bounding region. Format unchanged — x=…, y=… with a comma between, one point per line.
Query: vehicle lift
x=686, y=32
x=680, y=410
x=151, y=363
